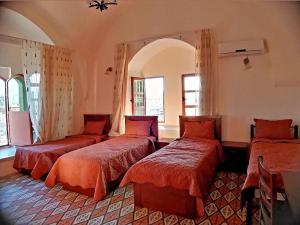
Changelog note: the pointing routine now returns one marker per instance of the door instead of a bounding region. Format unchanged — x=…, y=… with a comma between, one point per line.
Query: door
x=3, y=113
x=19, y=124
x=138, y=96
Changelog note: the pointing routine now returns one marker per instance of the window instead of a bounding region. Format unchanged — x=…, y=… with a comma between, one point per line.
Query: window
x=34, y=92
x=3, y=118
x=190, y=94
x=148, y=97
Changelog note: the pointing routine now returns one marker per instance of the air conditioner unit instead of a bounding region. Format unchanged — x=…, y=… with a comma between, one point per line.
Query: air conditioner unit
x=235, y=48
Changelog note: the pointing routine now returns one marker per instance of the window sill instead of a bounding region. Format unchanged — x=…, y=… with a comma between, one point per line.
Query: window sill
x=7, y=153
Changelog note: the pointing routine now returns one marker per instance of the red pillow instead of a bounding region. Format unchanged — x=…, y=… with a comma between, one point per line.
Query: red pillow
x=203, y=129
x=273, y=129
x=139, y=128
x=94, y=127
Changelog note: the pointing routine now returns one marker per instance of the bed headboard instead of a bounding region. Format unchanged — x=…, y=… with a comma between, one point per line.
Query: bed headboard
x=154, y=126
x=293, y=128
x=215, y=119
x=99, y=117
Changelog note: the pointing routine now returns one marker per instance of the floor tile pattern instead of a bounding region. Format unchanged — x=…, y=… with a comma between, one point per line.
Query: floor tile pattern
x=26, y=201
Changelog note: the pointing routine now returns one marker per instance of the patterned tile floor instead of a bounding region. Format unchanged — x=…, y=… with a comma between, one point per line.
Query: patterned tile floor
x=26, y=201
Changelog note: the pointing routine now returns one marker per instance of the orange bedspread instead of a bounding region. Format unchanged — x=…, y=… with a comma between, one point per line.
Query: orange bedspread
x=279, y=155
x=93, y=167
x=185, y=164
x=39, y=158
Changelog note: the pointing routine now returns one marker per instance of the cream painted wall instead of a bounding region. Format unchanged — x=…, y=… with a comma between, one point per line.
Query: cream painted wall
x=10, y=56
x=271, y=89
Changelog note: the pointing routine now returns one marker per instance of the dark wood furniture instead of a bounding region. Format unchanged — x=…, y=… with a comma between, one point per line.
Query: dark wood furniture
x=294, y=130
x=291, y=182
x=248, y=195
x=162, y=142
x=272, y=210
x=99, y=117
x=154, y=125
x=215, y=119
x=236, y=156
x=169, y=199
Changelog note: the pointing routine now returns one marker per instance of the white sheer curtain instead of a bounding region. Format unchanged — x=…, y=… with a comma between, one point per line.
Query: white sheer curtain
x=49, y=82
x=32, y=67
x=120, y=88
x=204, y=69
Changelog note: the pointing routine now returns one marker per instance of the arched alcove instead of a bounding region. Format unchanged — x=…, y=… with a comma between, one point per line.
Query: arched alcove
x=166, y=59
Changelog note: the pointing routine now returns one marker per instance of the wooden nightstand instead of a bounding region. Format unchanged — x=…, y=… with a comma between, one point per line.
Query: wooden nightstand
x=236, y=156
x=162, y=142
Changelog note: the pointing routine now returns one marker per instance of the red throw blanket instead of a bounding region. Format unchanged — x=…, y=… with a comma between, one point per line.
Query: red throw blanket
x=185, y=164
x=39, y=158
x=93, y=167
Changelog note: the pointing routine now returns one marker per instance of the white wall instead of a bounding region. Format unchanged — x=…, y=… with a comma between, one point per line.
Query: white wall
x=10, y=56
x=270, y=89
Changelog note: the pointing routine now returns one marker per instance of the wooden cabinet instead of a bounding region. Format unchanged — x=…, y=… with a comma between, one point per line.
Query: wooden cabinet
x=162, y=142
x=236, y=156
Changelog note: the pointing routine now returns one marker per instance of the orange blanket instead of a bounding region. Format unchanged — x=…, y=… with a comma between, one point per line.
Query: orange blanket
x=279, y=155
x=185, y=164
x=39, y=158
x=93, y=167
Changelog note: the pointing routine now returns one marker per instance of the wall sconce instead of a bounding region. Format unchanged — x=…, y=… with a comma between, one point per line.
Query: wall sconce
x=246, y=62
x=108, y=71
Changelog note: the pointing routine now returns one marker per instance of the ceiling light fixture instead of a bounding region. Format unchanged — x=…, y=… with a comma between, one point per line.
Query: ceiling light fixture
x=102, y=5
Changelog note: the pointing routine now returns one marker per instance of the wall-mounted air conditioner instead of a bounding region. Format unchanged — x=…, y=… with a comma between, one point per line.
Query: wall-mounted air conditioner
x=235, y=48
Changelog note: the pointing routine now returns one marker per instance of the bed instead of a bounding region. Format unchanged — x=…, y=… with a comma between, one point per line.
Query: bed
x=38, y=159
x=94, y=169
x=280, y=154
x=179, y=174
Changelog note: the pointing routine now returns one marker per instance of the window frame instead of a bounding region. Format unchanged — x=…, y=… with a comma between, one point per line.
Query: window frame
x=183, y=91
x=6, y=111
x=145, y=102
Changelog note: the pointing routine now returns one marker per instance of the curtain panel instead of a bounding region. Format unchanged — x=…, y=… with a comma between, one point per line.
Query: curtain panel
x=51, y=100
x=32, y=68
x=204, y=69
x=120, y=88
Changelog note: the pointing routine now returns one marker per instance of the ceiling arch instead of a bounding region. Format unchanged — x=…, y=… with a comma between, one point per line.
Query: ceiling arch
x=150, y=50
x=16, y=25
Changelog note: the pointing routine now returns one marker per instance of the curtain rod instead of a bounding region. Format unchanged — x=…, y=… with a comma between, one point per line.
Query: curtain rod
x=161, y=36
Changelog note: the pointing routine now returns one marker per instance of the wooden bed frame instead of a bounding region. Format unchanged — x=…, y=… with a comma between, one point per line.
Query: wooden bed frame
x=99, y=117
x=154, y=125
x=95, y=117
x=248, y=195
x=169, y=199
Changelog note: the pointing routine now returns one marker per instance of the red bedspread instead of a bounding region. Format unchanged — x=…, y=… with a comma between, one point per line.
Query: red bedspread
x=39, y=158
x=279, y=155
x=93, y=167
x=185, y=164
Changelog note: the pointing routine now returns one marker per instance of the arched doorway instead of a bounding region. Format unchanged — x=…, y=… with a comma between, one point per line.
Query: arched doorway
x=155, y=82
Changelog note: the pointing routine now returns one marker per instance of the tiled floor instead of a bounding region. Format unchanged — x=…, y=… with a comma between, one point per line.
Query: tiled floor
x=26, y=201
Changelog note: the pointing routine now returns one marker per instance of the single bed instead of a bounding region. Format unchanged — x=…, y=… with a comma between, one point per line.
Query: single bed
x=38, y=159
x=91, y=170
x=176, y=178
x=279, y=155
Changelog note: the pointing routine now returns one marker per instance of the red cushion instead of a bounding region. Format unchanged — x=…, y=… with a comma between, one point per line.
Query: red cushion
x=203, y=129
x=94, y=127
x=140, y=128
x=273, y=129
